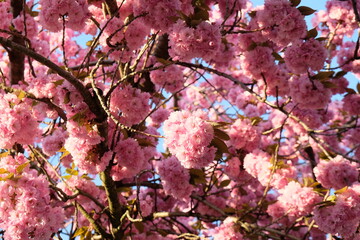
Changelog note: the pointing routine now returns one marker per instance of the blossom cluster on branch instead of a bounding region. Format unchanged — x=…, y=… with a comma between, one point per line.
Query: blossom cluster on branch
x=179, y=119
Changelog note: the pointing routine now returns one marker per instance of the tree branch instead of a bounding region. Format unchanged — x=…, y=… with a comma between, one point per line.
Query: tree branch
x=92, y=103
x=17, y=58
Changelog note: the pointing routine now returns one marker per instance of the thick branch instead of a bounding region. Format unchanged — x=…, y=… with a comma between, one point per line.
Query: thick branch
x=356, y=12
x=112, y=7
x=92, y=103
x=96, y=226
x=17, y=58
x=115, y=208
x=47, y=101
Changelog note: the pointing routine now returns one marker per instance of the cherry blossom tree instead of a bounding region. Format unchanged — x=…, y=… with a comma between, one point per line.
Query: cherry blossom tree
x=179, y=119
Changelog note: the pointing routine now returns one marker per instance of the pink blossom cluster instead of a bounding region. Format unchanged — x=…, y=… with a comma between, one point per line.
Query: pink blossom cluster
x=54, y=142
x=247, y=193
x=124, y=38
x=174, y=178
x=75, y=183
x=282, y=23
x=26, y=209
x=302, y=56
x=129, y=159
x=345, y=57
x=17, y=122
x=294, y=201
x=171, y=78
x=227, y=230
x=229, y=7
x=257, y=61
x=31, y=26
x=200, y=42
x=188, y=135
x=311, y=117
x=258, y=164
x=44, y=84
x=6, y=16
x=277, y=80
x=81, y=143
x=331, y=219
x=352, y=104
x=339, y=16
x=160, y=14
x=244, y=135
x=218, y=200
x=309, y=93
x=146, y=202
x=158, y=117
x=336, y=173
x=130, y=104
x=54, y=12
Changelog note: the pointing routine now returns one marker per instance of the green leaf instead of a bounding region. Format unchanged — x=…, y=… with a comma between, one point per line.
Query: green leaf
x=145, y=142
x=80, y=231
x=9, y=176
x=21, y=167
x=20, y=94
x=139, y=226
x=252, y=46
x=3, y=171
x=219, y=124
x=278, y=57
x=331, y=198
x=67, y=177
x=201, y=14
x=323, y=75
x=89, y=43
x=72, y=172
x=221, y=134
x=255, y=120
x=342, y=190
x=328, y=84
x=312, y=33
x=350, y=91
x=340, y=74
x=163, y=61
x=220, y=145
x=4, y=154
x=229, y=210
x=225, y=183
x=271, y=148
x=197, y=176
x=252, y=14
x=67, y=98
x=198, y=225
x=123, y=189
x=306, y=10
x=59, y=82
x=322, y=155
x=64, y=152
x=321, y=39
x=295, y=3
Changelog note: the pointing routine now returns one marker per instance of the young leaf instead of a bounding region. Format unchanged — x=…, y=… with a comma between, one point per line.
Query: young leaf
x=340, y=74
x=306, y=10
x=323, y=75
x=21, y=167
x=295, y=3
x=221, y=134
x=220, y=145
x=225, y=183
x=197, y=176
x=312, y=33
